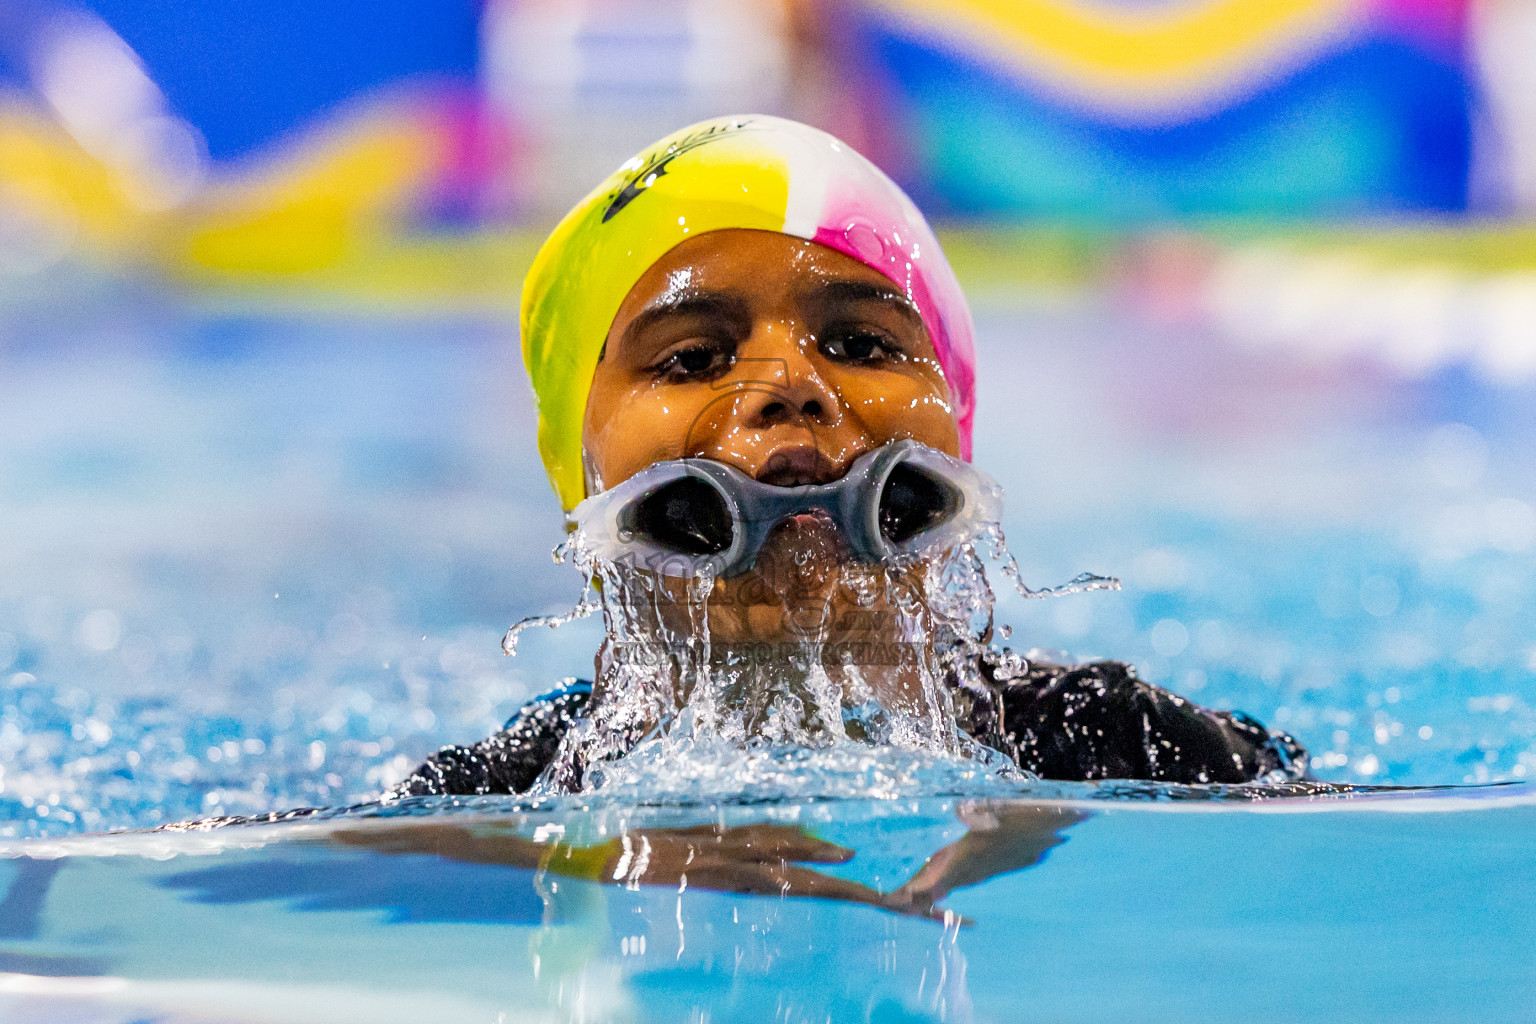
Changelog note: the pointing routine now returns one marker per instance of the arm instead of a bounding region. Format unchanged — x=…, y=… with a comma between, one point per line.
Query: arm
x=1099, y=721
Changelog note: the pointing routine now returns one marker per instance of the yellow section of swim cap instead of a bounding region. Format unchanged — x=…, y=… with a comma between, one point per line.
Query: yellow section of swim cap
x=719, y=174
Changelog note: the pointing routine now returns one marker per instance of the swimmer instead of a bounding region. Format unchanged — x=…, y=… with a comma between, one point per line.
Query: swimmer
x=756, y=385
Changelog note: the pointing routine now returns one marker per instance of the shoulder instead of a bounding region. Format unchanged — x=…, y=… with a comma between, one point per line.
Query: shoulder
x=1099, y=721
x=558, y=709
x=1045, y=688
x=508, y=761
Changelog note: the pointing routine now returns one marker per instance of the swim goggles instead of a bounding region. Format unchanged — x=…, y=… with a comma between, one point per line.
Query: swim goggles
x=690, y=516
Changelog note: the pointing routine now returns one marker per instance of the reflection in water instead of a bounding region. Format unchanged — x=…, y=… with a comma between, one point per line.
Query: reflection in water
x=282, y=922
x=594, y=950
x=577, y=957
x=760, y=859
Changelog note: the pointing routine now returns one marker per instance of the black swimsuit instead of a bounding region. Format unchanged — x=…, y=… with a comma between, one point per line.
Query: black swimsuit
x=1075, y=724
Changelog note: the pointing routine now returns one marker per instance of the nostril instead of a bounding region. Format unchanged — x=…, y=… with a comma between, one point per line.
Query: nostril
x=811, y=408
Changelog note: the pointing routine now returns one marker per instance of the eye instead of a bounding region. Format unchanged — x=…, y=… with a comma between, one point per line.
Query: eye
x=696, y=362
x=859, y=345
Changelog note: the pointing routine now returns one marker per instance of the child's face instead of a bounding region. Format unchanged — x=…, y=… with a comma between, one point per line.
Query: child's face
x=776, y=355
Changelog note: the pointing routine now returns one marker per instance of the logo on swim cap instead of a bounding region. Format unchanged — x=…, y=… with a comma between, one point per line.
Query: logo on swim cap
x=655, y=165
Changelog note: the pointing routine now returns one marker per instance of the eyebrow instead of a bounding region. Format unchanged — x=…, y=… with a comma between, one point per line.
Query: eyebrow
x=689, y=302
x=838, y=293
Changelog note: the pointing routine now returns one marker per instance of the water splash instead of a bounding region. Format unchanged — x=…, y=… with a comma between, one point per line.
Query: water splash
x=1081, y=583
x=584, y=607
x=871, y=657
x=705, y=770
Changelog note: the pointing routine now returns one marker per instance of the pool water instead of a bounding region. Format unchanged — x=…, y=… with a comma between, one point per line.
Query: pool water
x=1373, y=909
x=258, y=558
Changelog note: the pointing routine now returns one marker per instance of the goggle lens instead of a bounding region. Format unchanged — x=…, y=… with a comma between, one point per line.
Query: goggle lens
x=914, y=502
x=688, y=516
x=900, y=500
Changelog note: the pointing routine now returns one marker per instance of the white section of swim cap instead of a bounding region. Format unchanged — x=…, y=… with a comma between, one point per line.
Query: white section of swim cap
x=810, y=154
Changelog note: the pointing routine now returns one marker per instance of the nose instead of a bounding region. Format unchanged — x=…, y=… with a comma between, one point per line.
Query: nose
x=776, y=393
x=792, y=390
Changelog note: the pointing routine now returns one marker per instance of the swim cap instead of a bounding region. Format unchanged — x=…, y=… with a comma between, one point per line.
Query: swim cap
x=750, y=171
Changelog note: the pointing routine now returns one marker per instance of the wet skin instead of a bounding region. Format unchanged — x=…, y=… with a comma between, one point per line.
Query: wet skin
x=773, y=354
x=786, y=360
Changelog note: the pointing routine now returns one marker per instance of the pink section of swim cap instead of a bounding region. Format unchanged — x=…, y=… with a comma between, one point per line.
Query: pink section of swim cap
x=873, y=222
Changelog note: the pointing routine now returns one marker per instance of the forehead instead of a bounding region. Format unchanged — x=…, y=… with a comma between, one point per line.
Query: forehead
x=746, y=262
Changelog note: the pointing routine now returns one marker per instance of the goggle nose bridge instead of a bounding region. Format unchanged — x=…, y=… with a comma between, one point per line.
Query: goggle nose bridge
x=855, y=502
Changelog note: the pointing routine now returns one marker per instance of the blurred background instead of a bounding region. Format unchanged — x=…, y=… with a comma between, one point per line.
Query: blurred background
x=1255, y=284
x=378, y=148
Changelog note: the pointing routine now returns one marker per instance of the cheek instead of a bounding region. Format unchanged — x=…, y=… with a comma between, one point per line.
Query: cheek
x=900, y=406
x=628, y=429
